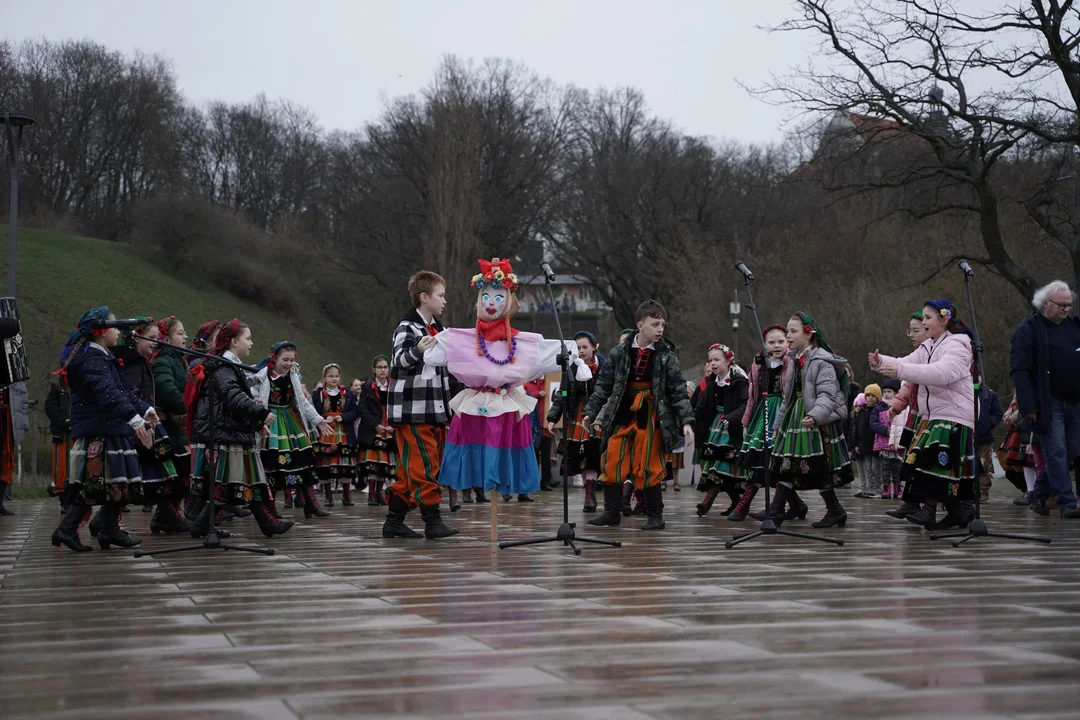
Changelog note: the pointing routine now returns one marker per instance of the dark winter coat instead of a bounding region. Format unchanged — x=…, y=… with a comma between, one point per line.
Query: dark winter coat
x=370, y=405
x=135, y=369
x=583, y=391
x=861, y=433
x=732, y=397
x=101, y=403
x=237, y=416
x=170, y=380
x=1029, y=366
x=668, y=390
x=990, y=416
x=58, y=408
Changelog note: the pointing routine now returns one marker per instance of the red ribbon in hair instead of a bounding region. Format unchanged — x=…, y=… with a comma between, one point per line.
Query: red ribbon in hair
x=488, y=268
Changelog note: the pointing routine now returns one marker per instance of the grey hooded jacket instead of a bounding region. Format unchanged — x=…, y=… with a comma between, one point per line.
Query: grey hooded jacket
x=822, y=371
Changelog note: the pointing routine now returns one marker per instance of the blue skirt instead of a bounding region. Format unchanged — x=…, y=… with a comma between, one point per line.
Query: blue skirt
x=104, y=470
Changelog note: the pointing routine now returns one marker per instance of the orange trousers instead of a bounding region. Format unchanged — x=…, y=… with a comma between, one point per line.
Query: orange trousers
x=635, y=452
x=420, y=449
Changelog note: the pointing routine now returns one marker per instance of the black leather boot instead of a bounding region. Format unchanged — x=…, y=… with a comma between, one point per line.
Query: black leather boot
x=4, y=510
x=68, y=531
x=271, y=507
x=835, y=515
x=200, y=526
x=267, y=523
x=480, y=496
x=926, y=516
x=466, y=496
x=346, y=493
x=797, y=509
x=590, y=495
x=705, y=505
x=613, y=503
x=654, y=508
x=328, y=490
x=395, y=526
x=779, y=501
x=434, y=527
x=111, y=533
x=908, y=508
x=956, y=516
x=627, y=497
x=738, y=514
x=734, y=498
x=97, y=522
x=524, y=497
x=311, y=502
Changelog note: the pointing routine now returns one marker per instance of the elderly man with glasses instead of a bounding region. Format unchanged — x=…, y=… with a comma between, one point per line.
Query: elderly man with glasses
x=1045, y=368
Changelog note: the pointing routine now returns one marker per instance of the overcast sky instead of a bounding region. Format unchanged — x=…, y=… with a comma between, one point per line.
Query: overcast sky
x=342, y=58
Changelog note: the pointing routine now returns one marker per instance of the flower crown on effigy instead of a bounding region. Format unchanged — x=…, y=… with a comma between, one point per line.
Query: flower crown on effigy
x=496, y=274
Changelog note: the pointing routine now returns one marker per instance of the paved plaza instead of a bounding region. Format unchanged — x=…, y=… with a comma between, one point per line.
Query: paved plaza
x=341, y=623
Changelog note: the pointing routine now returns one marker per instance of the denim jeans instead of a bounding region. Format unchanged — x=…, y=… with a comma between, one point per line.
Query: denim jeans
x=1060, y=447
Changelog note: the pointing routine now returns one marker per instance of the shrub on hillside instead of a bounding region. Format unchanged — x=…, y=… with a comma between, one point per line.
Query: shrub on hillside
x=193, y=236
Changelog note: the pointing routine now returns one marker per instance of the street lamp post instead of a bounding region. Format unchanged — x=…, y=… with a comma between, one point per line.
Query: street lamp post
x=735, y=309
x=14, y=123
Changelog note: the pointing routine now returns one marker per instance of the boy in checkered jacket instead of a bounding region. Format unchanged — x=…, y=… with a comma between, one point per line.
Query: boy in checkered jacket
x=418, y=410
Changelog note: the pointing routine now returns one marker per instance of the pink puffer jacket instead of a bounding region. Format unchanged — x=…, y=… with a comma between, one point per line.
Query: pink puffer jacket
x=942, y=370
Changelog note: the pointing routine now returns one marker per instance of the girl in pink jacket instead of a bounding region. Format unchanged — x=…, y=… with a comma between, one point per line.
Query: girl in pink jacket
x=942, y=455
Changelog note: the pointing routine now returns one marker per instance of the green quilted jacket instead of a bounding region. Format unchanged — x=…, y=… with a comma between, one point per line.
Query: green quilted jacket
x=170, y=380
x=669, y=391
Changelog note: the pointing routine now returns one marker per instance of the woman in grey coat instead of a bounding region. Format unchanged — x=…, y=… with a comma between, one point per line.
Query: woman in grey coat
x=810, y=452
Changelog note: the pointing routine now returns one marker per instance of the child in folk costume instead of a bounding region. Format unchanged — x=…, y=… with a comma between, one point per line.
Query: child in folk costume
x=335, y=454
x=205, y=339
x=1016, y=454
x=161, y=481
x=375, y=434
x=942, y=455
x=170, y=370
x=224, y=422
x=644, y=383
x=286, y=451
x=107, y=421
x=58, y=410
x=418, y=408
x=908, y=399
x=767, y=376
x=719, y=428
x=580, y=447
x=491, y=434
x=810, y=450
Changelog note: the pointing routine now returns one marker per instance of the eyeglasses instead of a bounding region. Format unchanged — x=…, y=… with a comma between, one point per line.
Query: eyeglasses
x=1064, y=306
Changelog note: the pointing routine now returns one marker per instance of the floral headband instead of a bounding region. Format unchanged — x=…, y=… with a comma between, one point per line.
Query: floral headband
x=496, y=274
x=330, y=366
x=723, y=349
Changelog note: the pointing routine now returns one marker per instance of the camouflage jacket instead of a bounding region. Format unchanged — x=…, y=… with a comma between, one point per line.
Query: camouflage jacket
x=669, y=391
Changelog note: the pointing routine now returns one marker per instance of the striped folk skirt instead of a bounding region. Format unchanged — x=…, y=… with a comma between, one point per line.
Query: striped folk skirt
x=811, y=458
x=754, y=442
x=286, y=453
x=238, y=471
x=158, y=465
x=104, y=470
x=942, y=461
x=580, y=448
x=720, y=458
x=335, y=459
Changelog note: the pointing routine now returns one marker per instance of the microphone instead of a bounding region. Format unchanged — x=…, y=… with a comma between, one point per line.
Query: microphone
x=120, y=324
x=741, y=267
x=548, y=272
x=966, y=267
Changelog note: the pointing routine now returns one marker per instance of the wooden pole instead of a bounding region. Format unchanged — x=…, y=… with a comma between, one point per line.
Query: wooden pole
x=495, y=515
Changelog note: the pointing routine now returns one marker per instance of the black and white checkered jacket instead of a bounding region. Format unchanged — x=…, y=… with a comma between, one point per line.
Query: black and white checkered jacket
x=412, y=399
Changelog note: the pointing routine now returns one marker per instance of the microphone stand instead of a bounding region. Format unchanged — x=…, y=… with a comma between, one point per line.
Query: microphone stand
x=568, y=389
x=977, y=528
x=213, y=539
x=768, y=526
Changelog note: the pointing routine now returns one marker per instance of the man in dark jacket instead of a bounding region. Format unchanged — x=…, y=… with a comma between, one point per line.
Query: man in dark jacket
x=1045, y=367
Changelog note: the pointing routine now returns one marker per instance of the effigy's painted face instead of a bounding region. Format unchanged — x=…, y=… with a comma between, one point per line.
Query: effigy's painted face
x=493, y=304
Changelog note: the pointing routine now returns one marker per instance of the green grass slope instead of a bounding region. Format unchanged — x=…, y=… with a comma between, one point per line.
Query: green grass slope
x=61, y=276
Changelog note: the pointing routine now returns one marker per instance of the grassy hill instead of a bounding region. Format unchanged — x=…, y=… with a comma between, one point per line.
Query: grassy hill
x=61, y=276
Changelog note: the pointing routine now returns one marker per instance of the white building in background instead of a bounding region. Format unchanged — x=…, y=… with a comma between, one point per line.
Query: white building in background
x=573, y=293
